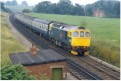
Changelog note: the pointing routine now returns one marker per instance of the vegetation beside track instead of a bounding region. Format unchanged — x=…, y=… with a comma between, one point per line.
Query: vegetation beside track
x=9, y=44
x=105, y=42
x=15, y=72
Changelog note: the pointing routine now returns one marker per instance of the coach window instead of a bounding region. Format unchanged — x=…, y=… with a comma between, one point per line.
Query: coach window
x=40, y=25
x=43, y=27
x=37, y=24
x=75, y=34
x=81, y=34
x=87, y=34
x=34, y=23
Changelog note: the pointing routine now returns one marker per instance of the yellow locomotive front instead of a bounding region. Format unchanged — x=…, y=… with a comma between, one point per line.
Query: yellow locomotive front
x=80, y=41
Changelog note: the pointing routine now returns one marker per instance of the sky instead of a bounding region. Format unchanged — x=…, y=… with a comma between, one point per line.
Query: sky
x=34, y=2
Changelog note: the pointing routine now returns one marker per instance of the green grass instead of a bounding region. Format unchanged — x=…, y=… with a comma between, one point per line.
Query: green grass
x=9, y=44
x=105, y=42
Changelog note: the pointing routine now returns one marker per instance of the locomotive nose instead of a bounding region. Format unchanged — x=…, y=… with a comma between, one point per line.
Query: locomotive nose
x=80, y=42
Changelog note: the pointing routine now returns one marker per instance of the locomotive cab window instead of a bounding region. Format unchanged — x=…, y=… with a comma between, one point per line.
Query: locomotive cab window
x=75, y=34
x=81, y=34
x=87, y=34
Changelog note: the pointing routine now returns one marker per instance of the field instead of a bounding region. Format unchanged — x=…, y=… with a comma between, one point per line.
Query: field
x=105, y=42
x=9, y=44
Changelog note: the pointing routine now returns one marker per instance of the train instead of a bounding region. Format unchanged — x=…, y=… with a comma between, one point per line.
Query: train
x=71, y=38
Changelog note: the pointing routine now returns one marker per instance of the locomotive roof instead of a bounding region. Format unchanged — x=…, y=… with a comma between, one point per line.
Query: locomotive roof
x=64, y=26
x=28, y=17
x=41, y=21
x=42, y=57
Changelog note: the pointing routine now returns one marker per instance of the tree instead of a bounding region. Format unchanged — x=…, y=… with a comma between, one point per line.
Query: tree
x=89, y=10
x=14, y=2
x=78, y=10
x=43, y=7
x=2, y=6
x=26, y=11
x=15, y=72
x=11, y=3
x=65, y=6
x=24, y=3
x=54, y=8
x=8, y=10
x=111, y=8
x=8, y=3
x=116, y=9
x=62, y=7
x=107, y=8
x=5, y=9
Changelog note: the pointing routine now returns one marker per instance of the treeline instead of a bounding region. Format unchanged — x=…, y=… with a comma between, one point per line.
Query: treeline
x=14, y=3
x=62, y=7
x=110, y=8
x=11, y=3
x=2, y=8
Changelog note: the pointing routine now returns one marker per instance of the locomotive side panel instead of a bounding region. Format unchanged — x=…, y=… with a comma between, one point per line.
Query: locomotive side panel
x=60, y=35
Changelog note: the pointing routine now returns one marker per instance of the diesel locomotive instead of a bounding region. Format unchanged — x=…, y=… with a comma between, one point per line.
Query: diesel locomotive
x=73, y=39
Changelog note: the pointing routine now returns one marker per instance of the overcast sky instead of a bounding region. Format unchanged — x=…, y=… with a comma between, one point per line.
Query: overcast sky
x=34, y=2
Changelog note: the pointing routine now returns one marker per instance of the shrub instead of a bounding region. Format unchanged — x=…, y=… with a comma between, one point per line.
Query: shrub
x=15, y=72
x=106, y=51
x=26, y=11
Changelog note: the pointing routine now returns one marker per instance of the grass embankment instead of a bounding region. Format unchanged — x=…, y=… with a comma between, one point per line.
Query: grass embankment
x=9, y=44
x=105, y=42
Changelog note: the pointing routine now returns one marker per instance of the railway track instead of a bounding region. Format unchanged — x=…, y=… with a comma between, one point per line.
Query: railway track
x=74, y=65
x=98, y=68
x=108, y=70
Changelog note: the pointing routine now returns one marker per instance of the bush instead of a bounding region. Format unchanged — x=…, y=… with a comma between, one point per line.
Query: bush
x=106, y=51
x=15, y=72
x=26, y=11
